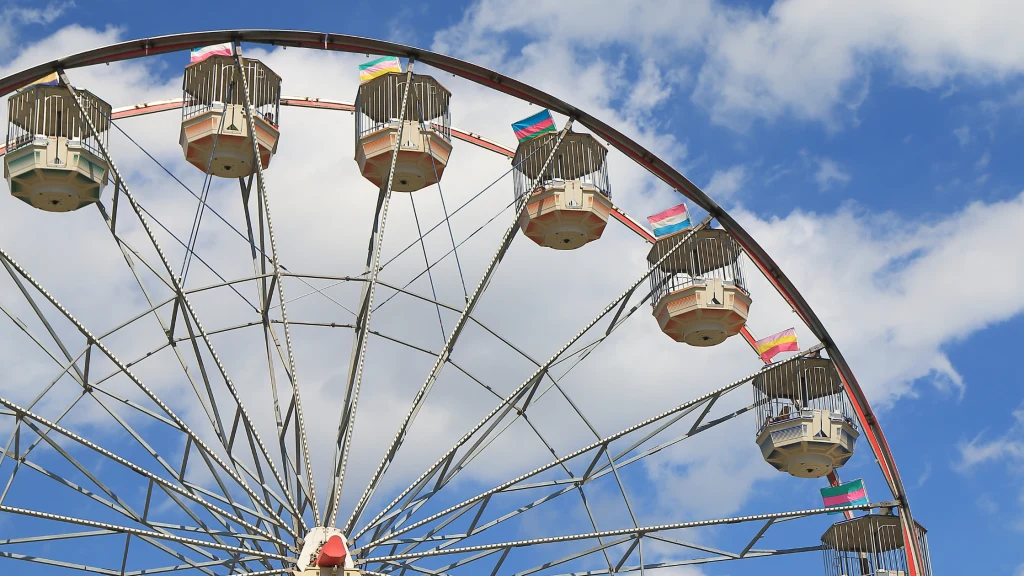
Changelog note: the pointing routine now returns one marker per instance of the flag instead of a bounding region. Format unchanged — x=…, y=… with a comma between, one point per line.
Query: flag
x=48, y=80
x=784, y=341
x=204, y=52
x=671, y=220
x=378, y=67
x=529, y=128
x=851, y=493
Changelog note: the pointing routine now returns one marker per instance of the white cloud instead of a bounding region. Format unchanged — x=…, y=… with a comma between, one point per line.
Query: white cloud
x=12, y=18
x=963, y=135
x=800, y=58
x=1006, y=450
x=983, y=161
x=725, y=183
x=979, y=451
x=829, y=173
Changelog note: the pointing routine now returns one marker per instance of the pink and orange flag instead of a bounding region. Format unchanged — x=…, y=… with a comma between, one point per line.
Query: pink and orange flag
x=784, y=341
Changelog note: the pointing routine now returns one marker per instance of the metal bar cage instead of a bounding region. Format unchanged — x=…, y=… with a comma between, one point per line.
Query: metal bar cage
x=50, y=113
x=707, y=254
x=798, y=387
x=869, y=545
x=211, y=85
x=378, y=102
x=580, y=157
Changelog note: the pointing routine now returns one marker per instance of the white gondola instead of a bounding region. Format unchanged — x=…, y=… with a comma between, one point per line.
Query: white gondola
x=568, y=205
x=53, y=160
x=214, y=130
x=698, y=291
x=870, y=545
x=426, y=131
x=804, y=420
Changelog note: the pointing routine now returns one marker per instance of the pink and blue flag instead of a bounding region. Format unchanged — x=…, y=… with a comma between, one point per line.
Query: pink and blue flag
x=670, y=221
x=534, y=126
x=204, y=52
x=851, y=493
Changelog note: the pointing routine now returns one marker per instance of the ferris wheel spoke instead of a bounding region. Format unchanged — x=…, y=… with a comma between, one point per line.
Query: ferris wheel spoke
x=447, y=220
x=183, y=300
x=155, y=536
x=443, y=570
x=430, y=266
x=58, y=563
x=296, y=400
x=452, y=540
x=184, y=567
x=120, y=506
x=135, y=380
x=31, y=419
x=535, y=543
x=206, y=208
x=207, y=401
x=446, y=351
x=593, y=472
x=355, y=370
x=413, y=503
x=524, y=390
x=692, y=561
x=291, y=465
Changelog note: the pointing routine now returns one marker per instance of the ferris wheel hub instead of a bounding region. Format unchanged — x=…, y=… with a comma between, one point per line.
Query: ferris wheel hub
x=325, y=553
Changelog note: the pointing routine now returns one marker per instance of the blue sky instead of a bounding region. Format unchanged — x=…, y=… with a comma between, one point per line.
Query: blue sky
x=875, y=149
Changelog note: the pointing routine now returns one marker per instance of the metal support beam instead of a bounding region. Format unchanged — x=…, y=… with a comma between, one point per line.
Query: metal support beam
x=358, y=354
x=446, y=350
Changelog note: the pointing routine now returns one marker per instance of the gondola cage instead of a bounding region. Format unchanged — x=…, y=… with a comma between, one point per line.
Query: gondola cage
x=805, y=422
x=214, y=129
x=871, y=545
x=53, y=160
x=568, y=205
x=698, y=291
x=426, y=132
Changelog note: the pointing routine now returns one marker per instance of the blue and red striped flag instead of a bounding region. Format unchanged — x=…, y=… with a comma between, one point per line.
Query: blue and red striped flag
x=672, y=220
x=529, y=128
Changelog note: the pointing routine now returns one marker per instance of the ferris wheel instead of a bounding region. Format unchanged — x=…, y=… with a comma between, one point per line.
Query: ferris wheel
x=166, y=423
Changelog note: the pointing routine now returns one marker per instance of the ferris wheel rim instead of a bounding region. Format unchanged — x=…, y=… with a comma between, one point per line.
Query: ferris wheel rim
x=662, y=170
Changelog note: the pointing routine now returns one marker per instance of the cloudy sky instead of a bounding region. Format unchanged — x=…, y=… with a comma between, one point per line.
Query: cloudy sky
x=868, y=149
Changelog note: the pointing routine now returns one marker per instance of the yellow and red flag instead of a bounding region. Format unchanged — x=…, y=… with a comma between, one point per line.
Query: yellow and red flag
x=784, y=341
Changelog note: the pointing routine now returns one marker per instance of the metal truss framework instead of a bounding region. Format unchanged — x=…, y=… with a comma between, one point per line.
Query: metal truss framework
x=267, y=500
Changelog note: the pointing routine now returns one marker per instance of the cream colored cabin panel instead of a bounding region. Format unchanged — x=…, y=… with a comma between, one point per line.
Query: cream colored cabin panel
x=809, y=444
x=422, y=156
x=55, y=174
x=704, y=313
x=231, y=145
x=565, y=215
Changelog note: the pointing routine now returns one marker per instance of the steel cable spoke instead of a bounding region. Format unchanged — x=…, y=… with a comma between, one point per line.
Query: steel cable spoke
x=186, y=304
x=523, y=389
x=296, y=398
x=634, y=532
x=446, y=351
x=358, y=355
x=601, y=444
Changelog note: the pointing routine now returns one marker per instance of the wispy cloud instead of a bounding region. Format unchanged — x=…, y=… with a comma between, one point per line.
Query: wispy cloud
x=13, y=17
x=963, y=135
x=1007, y=448
x=725, y=183
x=829, y=173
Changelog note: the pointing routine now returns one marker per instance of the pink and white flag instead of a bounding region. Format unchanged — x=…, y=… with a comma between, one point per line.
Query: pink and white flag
x=200, y=54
